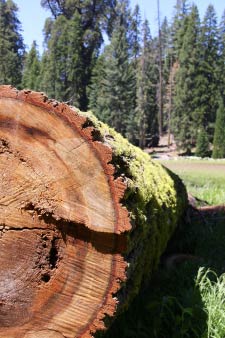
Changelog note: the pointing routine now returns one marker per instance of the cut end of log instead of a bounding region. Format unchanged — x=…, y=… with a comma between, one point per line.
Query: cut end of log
x=60, y=216
x=73, y=172
x=66, y=237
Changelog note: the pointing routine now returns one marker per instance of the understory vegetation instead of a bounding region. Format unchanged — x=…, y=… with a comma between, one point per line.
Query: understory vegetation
x=186, y=295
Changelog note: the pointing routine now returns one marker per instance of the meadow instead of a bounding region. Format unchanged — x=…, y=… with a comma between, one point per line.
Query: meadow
x=204, y=179
x=185, y=297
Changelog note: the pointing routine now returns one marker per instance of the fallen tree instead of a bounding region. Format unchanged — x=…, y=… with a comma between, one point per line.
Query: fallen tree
x=84, y=218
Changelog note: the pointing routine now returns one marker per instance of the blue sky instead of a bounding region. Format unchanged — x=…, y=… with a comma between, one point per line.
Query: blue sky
x=32, y=16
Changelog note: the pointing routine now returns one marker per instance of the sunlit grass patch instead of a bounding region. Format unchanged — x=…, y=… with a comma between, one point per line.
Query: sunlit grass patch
x=212, y=291
x=205, y=187
x=204, y=179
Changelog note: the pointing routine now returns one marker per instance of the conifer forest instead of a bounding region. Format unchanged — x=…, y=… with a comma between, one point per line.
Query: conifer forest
x=100, y=56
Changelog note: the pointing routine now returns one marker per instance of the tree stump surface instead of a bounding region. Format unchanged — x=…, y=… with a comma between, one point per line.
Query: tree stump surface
x=78, y=231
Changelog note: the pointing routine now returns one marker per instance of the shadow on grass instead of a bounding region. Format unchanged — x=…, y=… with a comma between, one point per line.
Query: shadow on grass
x=170, y=306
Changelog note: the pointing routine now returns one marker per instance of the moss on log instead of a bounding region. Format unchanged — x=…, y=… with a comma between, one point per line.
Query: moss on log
x=84, y=218
x=154, y=197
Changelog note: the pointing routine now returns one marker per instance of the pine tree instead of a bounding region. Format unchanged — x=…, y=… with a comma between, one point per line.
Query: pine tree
x=169, y=97
x=208, y=81
x=135, y=34
x=165, y=31
x=97, y=89
x=202, y=144
x=219, y=134
x=117, y=85
x=31, y=73
x=11, y=44
x=173, y=44
x=179, y=26
x=166, y=49
x=90, y=18
x=160, y=70
x=167, y=64
x=62, y=65
x=147, y=109
x=183, y=117
x=134, y=47
x=221, y=67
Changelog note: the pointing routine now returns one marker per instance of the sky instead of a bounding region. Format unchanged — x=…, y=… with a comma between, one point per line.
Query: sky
x=32, y=15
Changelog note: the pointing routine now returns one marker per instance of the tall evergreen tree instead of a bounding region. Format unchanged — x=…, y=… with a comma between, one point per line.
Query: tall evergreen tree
x=185, y=107
x=169, y=95
x=165, y=31
x=91, y=17
x=208, y=81
x=62, y=64
x=160, y=69
x=202, y=143
x=221, y=68
x=97, y=89
x=166, y=48
x=134, y=47
x=179, y=26
x=11, y=44
x=31, y=72
x=117, y=86
x=219, y=135
x=173, y=44
x=167, y=64
x=147, y=109
x=135, y=33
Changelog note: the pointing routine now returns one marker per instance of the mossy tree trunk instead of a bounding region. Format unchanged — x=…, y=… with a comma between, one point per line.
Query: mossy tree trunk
x=84, y=218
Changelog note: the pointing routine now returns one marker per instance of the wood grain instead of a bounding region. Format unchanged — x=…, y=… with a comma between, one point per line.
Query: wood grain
x=56, y=194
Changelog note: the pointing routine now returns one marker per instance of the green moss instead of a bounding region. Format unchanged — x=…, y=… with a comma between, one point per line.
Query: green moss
x=155, y=198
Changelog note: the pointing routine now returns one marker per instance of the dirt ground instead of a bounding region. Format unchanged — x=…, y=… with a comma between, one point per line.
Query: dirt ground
x=163, y=150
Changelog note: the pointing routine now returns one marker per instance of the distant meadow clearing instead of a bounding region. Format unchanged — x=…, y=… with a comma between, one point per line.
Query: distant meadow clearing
x=204, y=179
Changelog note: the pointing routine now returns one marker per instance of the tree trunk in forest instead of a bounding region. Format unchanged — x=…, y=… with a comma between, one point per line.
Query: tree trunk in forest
x=84, y=217
x=160, y=95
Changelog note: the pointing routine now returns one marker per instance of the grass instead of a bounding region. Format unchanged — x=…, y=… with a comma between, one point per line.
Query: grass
x=213, y=297
x=186, y=299
x=204, y=179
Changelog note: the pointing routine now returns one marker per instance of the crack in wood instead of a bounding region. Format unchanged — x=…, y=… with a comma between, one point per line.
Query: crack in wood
x=107, y=243
x=11, y=228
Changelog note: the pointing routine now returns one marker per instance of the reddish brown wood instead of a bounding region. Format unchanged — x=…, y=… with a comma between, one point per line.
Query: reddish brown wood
x=61, y=221
x=69, y=255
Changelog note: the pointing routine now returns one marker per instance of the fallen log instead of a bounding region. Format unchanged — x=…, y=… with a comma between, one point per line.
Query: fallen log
x=84, y=218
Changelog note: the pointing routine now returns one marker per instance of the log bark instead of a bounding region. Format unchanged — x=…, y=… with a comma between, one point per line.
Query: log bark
x=84, y=217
